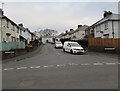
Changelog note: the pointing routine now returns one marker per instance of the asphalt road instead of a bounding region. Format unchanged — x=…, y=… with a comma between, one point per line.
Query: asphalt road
x=52, y=68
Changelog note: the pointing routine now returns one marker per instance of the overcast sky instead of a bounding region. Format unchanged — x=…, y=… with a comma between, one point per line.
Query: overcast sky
x=59, y=16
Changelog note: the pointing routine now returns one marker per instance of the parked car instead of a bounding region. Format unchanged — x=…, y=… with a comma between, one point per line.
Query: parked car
x=58, y=45
x=73, y=48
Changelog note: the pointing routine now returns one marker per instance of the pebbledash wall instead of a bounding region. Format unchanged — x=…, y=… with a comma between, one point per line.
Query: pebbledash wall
x=111, y=27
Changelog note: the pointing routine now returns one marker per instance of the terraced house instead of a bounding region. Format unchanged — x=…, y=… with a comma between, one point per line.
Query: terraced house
x=107, y=27
x=13, y=36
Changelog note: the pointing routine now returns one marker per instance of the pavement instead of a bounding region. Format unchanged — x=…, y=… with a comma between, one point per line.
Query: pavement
x=102, y=54
x=51, y=68
x=24, y=56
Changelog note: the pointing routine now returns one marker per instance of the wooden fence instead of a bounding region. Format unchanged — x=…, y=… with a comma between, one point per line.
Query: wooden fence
x=104, y=42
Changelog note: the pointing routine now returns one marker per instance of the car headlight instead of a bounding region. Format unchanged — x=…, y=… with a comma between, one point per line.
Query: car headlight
x=75, y=49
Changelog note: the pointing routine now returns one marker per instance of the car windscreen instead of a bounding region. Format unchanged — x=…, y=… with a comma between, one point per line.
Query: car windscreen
x=58, y=43
x=75, y=45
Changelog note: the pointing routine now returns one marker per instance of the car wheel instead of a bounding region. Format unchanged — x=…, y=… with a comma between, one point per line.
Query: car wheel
x=71, y=51
x=63, y=49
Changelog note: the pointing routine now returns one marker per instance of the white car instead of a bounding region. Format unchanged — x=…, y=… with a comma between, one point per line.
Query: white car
x=73, y=47
x=58, y=45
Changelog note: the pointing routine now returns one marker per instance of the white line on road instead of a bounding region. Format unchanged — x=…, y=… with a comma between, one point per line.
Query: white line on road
x=73, y=64
x=45, y=66
x=21, y=68
x=110, y=63
x=8, y=68
x=98, y=63
x=35, y=67
x=85, y=64
x=61, y=65
x=48, y=66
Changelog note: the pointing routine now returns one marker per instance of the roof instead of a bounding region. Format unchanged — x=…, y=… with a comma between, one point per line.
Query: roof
x=60, y=35
x=110, y=17
x=70, y=42
x=5, y=17
x=83, y=28
x=71, y=32
x=47, y=36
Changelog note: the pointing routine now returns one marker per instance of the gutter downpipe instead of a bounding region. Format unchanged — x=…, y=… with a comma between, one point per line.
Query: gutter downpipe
x=113, y=29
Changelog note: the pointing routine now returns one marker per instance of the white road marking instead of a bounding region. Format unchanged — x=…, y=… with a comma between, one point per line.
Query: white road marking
x=58, y=65
x=35, y=67
x=98, y=64
x=22, y=68
x=110, y=63
x=45, y=66
x=85, y=64
x=61, y=65
x=8, y=68
x=73, y=64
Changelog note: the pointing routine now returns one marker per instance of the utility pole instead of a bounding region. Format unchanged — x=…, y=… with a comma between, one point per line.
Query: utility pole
x=1, y=15
x=1, y=18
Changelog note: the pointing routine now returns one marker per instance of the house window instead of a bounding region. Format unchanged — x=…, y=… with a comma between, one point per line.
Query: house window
x=7, y=24
x=7, y=38
x=106, y=35
x=4, y=40
x=106, y=25
x=13, y=27
x=17, y=30
x=20, y=31
x=98, y=28
x=13, y=39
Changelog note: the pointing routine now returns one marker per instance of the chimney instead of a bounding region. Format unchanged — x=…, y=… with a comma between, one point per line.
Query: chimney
x=71, y=30
x=79, y=26
x=27, y=28
x=20, y=25
x=107, y=13
x=66, y=31
x=1, y=13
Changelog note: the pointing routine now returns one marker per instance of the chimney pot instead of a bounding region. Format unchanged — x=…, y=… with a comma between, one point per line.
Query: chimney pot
x=1, y=12
x=71, y=29
x=79, y=26
x=107, y=13
x=20, y=25
x=66, y=31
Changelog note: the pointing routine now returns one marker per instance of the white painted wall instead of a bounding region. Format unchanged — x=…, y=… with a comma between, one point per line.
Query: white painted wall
x=45, y=39
x=80, y=34
x=109, y=30
x=8, y=28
